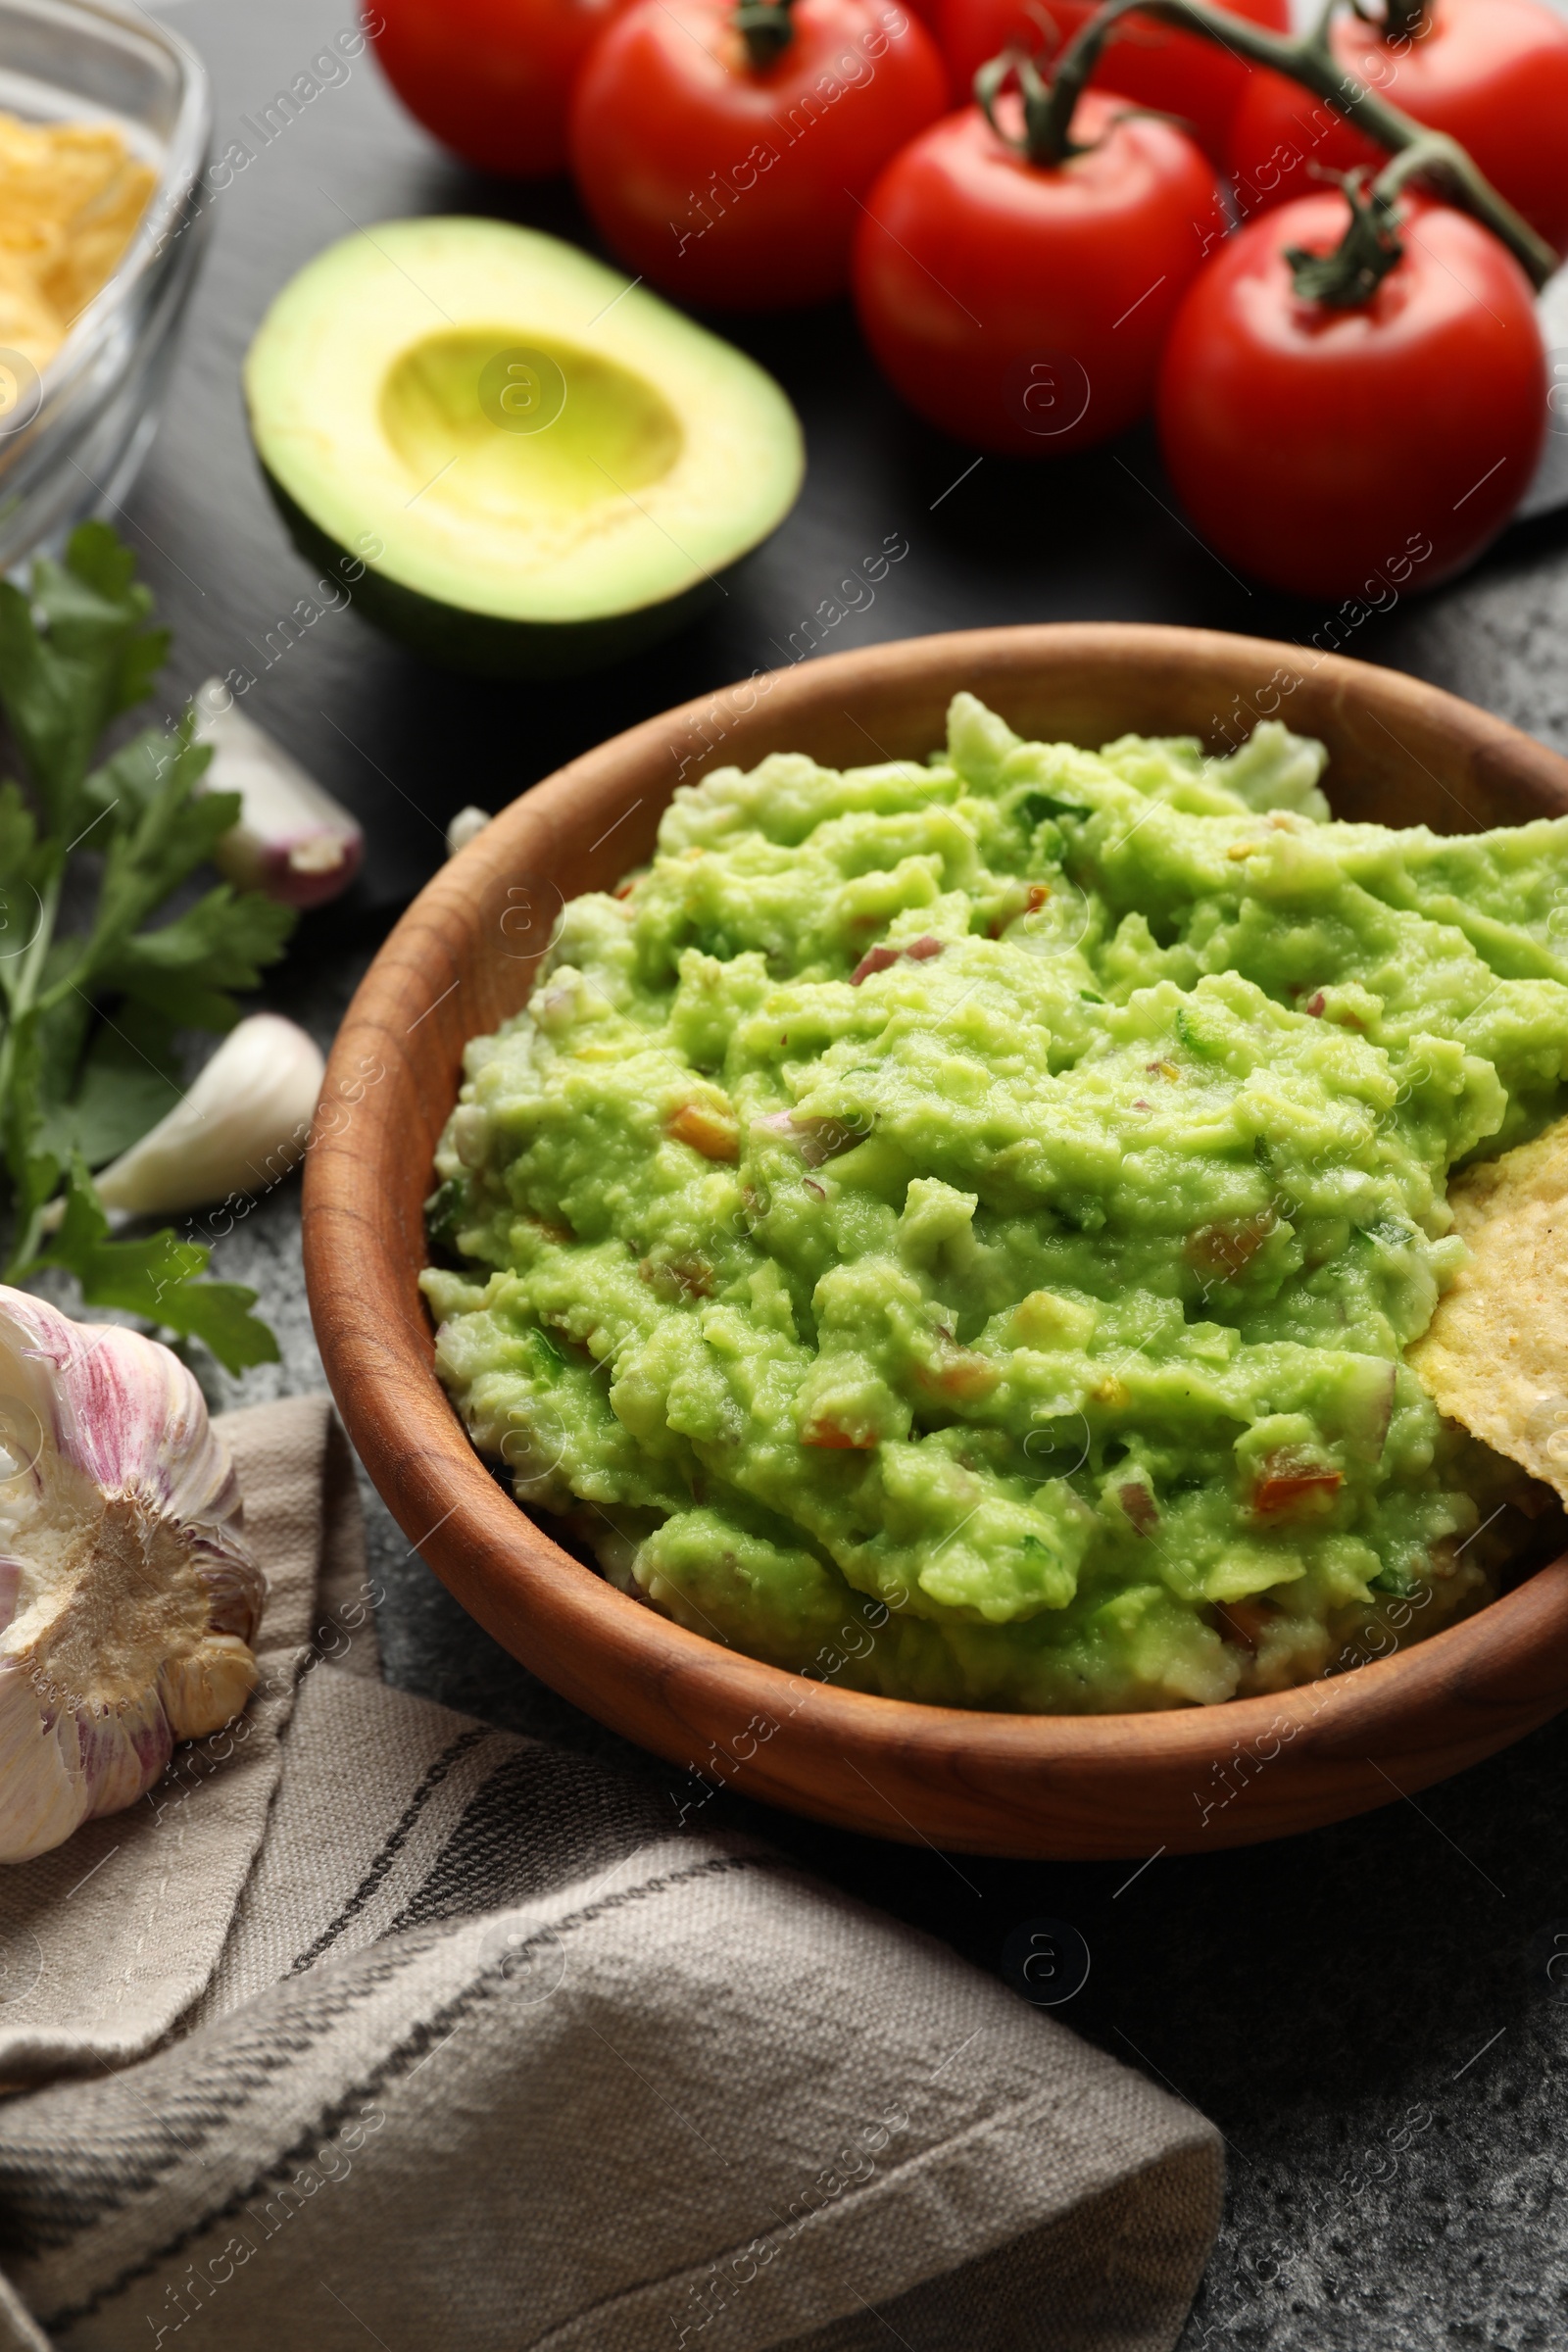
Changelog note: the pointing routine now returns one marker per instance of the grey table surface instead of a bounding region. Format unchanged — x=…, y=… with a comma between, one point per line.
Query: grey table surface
x=1369, y=2013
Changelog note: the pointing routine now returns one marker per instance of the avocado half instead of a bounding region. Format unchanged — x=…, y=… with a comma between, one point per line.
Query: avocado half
x=516, y=461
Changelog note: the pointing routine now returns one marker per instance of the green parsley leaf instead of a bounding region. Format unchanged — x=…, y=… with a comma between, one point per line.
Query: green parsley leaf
x=93, y=657
x=446, y=1212
x=159, y=1278
x=86, y=1016
x=129, y=1080
x=186, y=970
x=1035, y=807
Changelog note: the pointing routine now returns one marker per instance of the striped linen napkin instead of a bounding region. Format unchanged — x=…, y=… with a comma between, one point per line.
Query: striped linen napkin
x=377, y=2026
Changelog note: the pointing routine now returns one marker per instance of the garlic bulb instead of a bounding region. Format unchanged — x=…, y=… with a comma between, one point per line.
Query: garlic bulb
x=129, y=1600
x=293, y=840
x=242, y=1126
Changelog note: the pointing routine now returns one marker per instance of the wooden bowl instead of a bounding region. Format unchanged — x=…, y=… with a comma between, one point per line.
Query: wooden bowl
x=462, y=958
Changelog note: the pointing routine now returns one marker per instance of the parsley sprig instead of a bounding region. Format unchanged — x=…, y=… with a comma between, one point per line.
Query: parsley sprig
x=90, y=1004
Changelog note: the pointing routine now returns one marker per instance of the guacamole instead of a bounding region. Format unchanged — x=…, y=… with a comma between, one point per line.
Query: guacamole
x=956, y=1229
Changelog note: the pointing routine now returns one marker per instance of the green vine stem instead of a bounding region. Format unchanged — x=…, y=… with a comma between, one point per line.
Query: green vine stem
x=1369, y=249
x=1034, y=91
x=1403, y=19
x=767, y=29
x=1310, y=62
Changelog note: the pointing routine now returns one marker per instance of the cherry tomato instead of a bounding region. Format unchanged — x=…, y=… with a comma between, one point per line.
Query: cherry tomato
x=1337, y=451
x=738, y=187
x=1023, y=307
x=1158, y=66
x=491, y=78
x=929, y=13
x=1493, y=74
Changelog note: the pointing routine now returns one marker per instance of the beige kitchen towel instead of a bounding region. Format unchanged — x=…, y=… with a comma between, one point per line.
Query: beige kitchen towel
x=377, y=2024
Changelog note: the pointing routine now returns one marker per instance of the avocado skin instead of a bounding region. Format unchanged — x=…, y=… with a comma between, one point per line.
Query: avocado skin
x=480, y=644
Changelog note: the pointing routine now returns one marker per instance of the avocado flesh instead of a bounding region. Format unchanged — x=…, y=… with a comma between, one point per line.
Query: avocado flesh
x=516, y=461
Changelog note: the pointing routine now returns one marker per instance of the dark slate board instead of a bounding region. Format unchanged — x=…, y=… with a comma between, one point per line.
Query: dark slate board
x=1367, y=2013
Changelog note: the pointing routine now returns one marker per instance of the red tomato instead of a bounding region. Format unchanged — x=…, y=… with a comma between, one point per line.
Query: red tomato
x=1143, y=60
x=1021, y=306
x=1317, y=447
x=738, y=189
x=1493, y=74
x=491, y=78
x=929, y=13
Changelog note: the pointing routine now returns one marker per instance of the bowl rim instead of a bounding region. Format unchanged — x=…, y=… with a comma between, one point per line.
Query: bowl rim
x=534, y=1597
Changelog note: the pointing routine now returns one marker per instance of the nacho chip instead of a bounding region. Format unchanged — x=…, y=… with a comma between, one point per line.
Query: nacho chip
x=1495, y=1357
x=71, y=196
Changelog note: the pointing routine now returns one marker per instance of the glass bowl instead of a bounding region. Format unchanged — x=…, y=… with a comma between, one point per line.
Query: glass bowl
x=72, y=437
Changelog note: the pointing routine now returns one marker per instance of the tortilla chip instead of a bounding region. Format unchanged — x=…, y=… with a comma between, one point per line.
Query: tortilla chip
x=1495, y=1357
x=96, y=237
x=71, y=196
x=28, y=324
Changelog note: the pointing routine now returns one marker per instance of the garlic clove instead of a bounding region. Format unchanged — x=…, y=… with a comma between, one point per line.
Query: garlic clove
x=123, y=1752
x=204, y=1692
x=134, y=1599
x=43, y=1793
x=239, y=1130
x=293, y=840
x=466, y=826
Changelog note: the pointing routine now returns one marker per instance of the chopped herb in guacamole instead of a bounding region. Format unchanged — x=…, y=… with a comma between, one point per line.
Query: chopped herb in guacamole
x=956, y=1228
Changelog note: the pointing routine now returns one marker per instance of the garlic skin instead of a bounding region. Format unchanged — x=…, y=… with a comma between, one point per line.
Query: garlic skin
x=129, y=1600
x=293, y=840
x=240, y=1128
